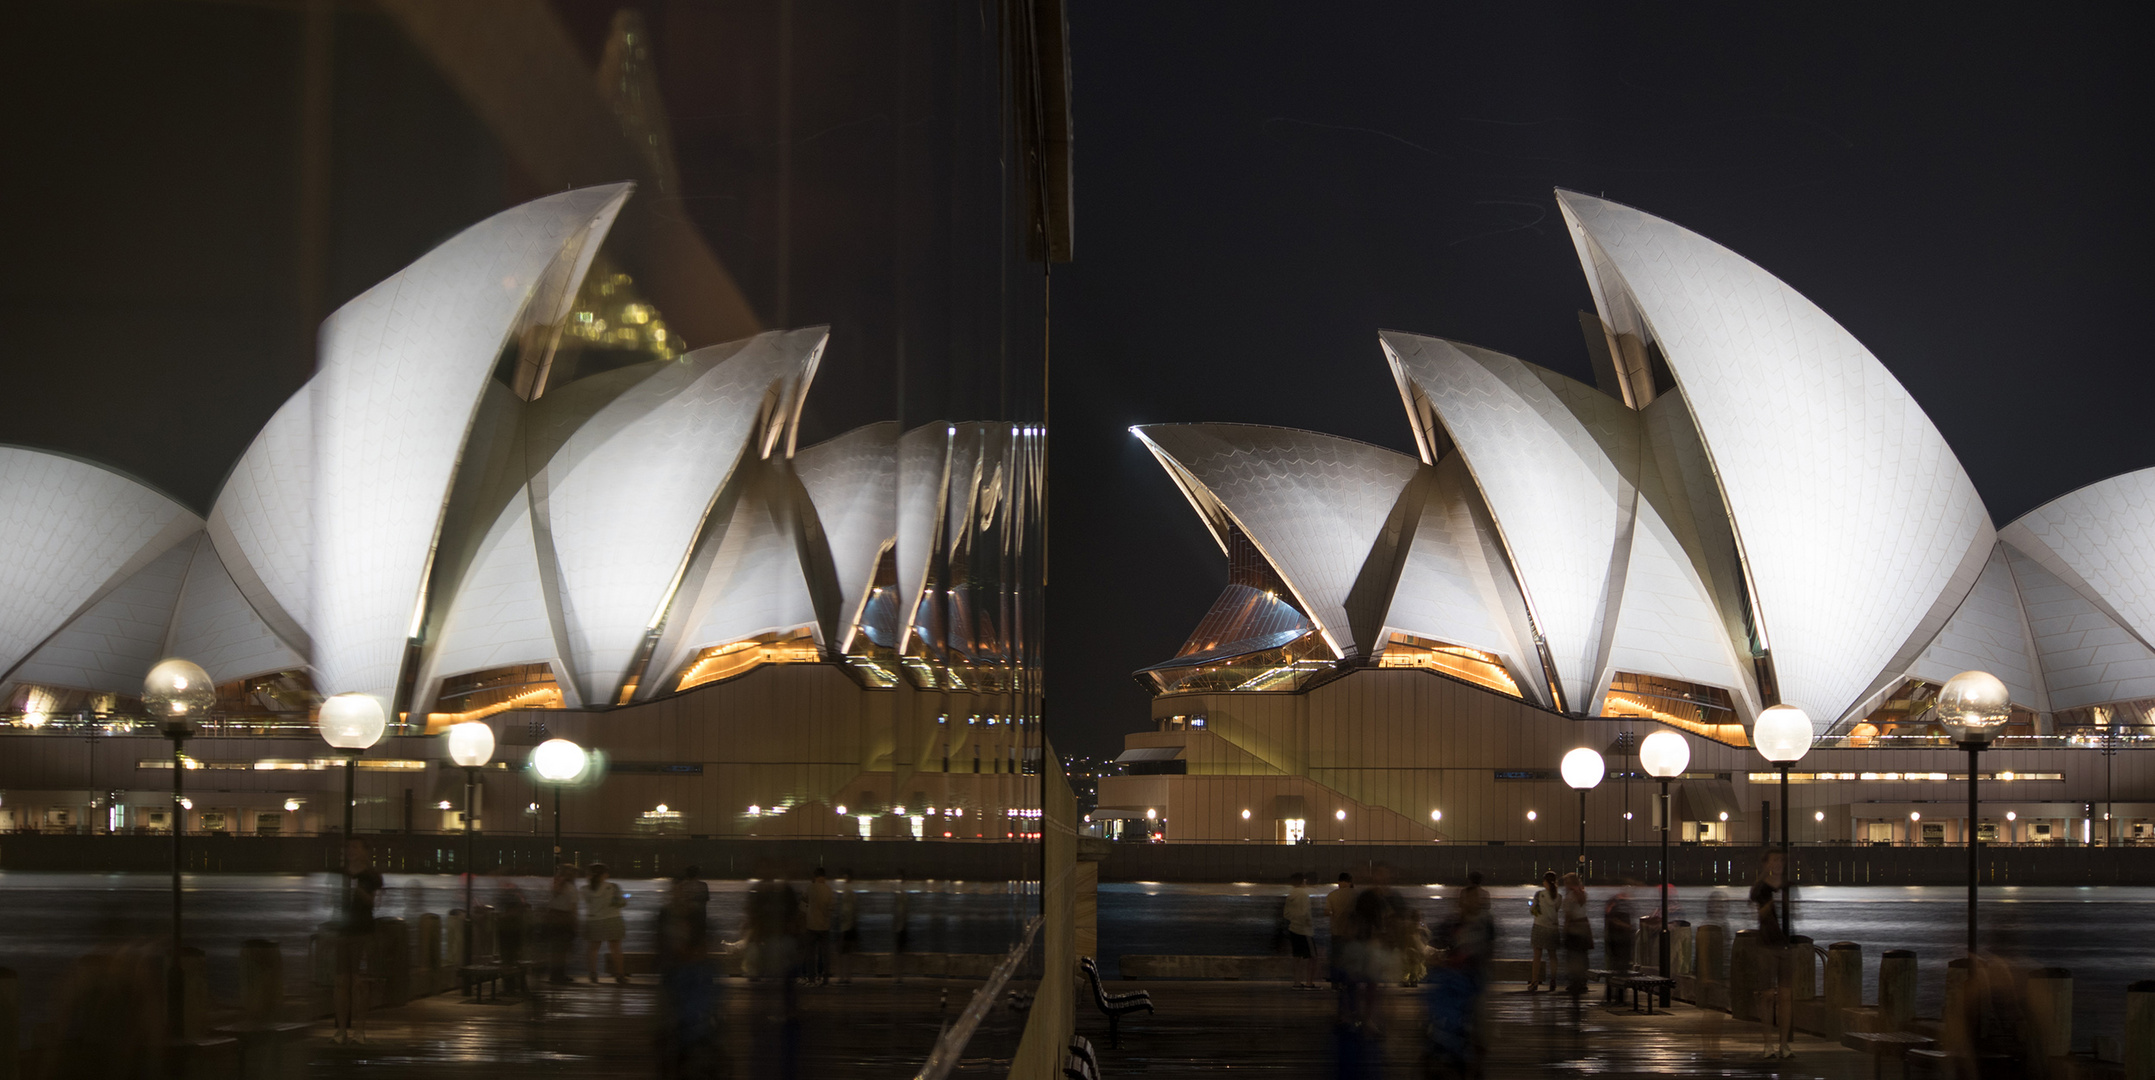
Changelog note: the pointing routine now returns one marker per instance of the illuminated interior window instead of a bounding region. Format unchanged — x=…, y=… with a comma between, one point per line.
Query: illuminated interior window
x=720, y=662
x=1706, y=711
x=1471, y=665
x=481, y=694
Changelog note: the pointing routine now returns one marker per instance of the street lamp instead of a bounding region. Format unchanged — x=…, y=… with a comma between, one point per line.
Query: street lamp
x=1583, y=769
x=560, y=763
x=1783, y=735
x=351, y=722
x=1664, y=755
x=176, y=693
x=471, y=745
x=1973, y=706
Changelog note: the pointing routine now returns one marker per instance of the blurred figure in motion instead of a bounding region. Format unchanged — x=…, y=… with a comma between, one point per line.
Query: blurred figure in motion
x=558, y=922
x=816, y=915
x=110, y=1016
x=1578, y=934
x=1364, y=961
x=901, y=921
x=1300, y=912
x=1338, y=910
x=2000, y=1038
x=1619, y=933
x=1775, y=958
x=687, y=1042
x=774, y=926
x=512, y=915
x=1457, y=989
x=603, y=925
x=1547, y=907
x=848, y=925
x=355, y=936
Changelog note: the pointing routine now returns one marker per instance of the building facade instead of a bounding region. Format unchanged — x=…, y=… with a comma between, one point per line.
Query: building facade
x=1746, y=509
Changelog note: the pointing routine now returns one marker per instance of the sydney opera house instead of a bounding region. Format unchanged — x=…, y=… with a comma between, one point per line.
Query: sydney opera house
x=1745, y=509
x=465, y=517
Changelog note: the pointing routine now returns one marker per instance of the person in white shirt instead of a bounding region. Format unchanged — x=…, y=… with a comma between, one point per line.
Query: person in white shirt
x=1548, y=940
x=1300, y=914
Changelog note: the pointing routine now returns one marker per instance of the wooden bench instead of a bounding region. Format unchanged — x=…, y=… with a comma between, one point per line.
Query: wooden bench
x=1881, y=1045
x=476, y=979
x=1115, y=1006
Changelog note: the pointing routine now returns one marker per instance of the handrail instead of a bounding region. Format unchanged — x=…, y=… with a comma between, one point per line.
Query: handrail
x=952, y=1042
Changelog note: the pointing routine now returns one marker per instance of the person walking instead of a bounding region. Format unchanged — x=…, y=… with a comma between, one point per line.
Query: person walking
x=603, y=925
x=1775, y=958
x=692, y=895
x=355, y=936
x=559, y=922
x=848, y=926
x=817, y=914
x=1578, y=931
x=901, y=919
x=1300, y=912
x=1548, y=909
x=1339, y=912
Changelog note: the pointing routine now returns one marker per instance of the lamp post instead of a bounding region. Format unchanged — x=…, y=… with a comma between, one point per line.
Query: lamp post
x=471, y=745
x=1783, y=735
x=1583, y=769
x=177, y=692
x=1664, y=755
x=560, y=763
x=1973, y=706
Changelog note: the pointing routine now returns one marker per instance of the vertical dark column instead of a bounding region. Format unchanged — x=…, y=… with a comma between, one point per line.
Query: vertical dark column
x=1788, y=863
x=1974, y=750
x=175, y=988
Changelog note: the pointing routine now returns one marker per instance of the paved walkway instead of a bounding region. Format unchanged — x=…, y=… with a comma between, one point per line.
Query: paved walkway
x=874, y=1028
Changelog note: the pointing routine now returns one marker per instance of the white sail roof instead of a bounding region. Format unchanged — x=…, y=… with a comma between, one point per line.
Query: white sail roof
x=1453, y=584
x=2101, y=540
x=2087, y=657
x=72, y=533
x=851, y=480
x=263, y=520
x=216, y=627
x=1314, y=504
x=113, y=643
x=924, y=473
x=1990, y=633
x=403, y=366
x=1820, y=451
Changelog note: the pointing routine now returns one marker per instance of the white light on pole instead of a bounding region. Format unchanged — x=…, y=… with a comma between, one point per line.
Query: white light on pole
x=471, y=745
x=560, y=763
x=176, y=693
x=1664, y=755
x=1583, y=769
x=351, y=722
x=1973, y=705
x=1783, y=735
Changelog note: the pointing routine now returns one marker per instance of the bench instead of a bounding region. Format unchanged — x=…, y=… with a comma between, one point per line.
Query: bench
x=1881, y=1045
x=1114, y=1006
x=476, y=979
x=1082, y=1063
x=1650, y=985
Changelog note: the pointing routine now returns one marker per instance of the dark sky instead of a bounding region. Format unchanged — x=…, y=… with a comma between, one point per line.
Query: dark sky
x=1260, y=188
x=1258, y=195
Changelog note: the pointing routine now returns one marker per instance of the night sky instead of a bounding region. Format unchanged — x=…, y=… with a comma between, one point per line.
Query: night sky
x=1259, y=189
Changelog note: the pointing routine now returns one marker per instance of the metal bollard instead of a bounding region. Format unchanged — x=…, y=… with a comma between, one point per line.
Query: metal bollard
x=392, y=960
x=10, y=1025
x=2050, y=1008
x=1744, y=984
x=261, y=982
x=2140, y=1030
x=1897, y=988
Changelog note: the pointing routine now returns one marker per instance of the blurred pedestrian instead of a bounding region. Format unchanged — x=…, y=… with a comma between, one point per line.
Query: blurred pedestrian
x=1457, y=990
x=1300, y=912
x=816, y=913
x=688, y=993
x=1547, y=907
x=1775, y=959
x=355, y=938
x=848, y=925
x=774, y=926
x=1578, y=931
x=510, y=918
x=558, y=922
x=1619, y=933
x=109, y=1017
x=693, y=895
x=901, y=920
x=1338, y=910
x=603, y=924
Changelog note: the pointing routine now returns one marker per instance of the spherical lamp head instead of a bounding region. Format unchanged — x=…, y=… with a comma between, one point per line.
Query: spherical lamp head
x=352, y=721
x=1583, y=768
x=471, y=744
x=559, y=761
x=1665, y=755
x=1973, y=706
x=1783, y=734
x=177, y=693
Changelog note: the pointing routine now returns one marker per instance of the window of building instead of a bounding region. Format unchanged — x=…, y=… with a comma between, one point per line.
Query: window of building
x=1470, y=665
